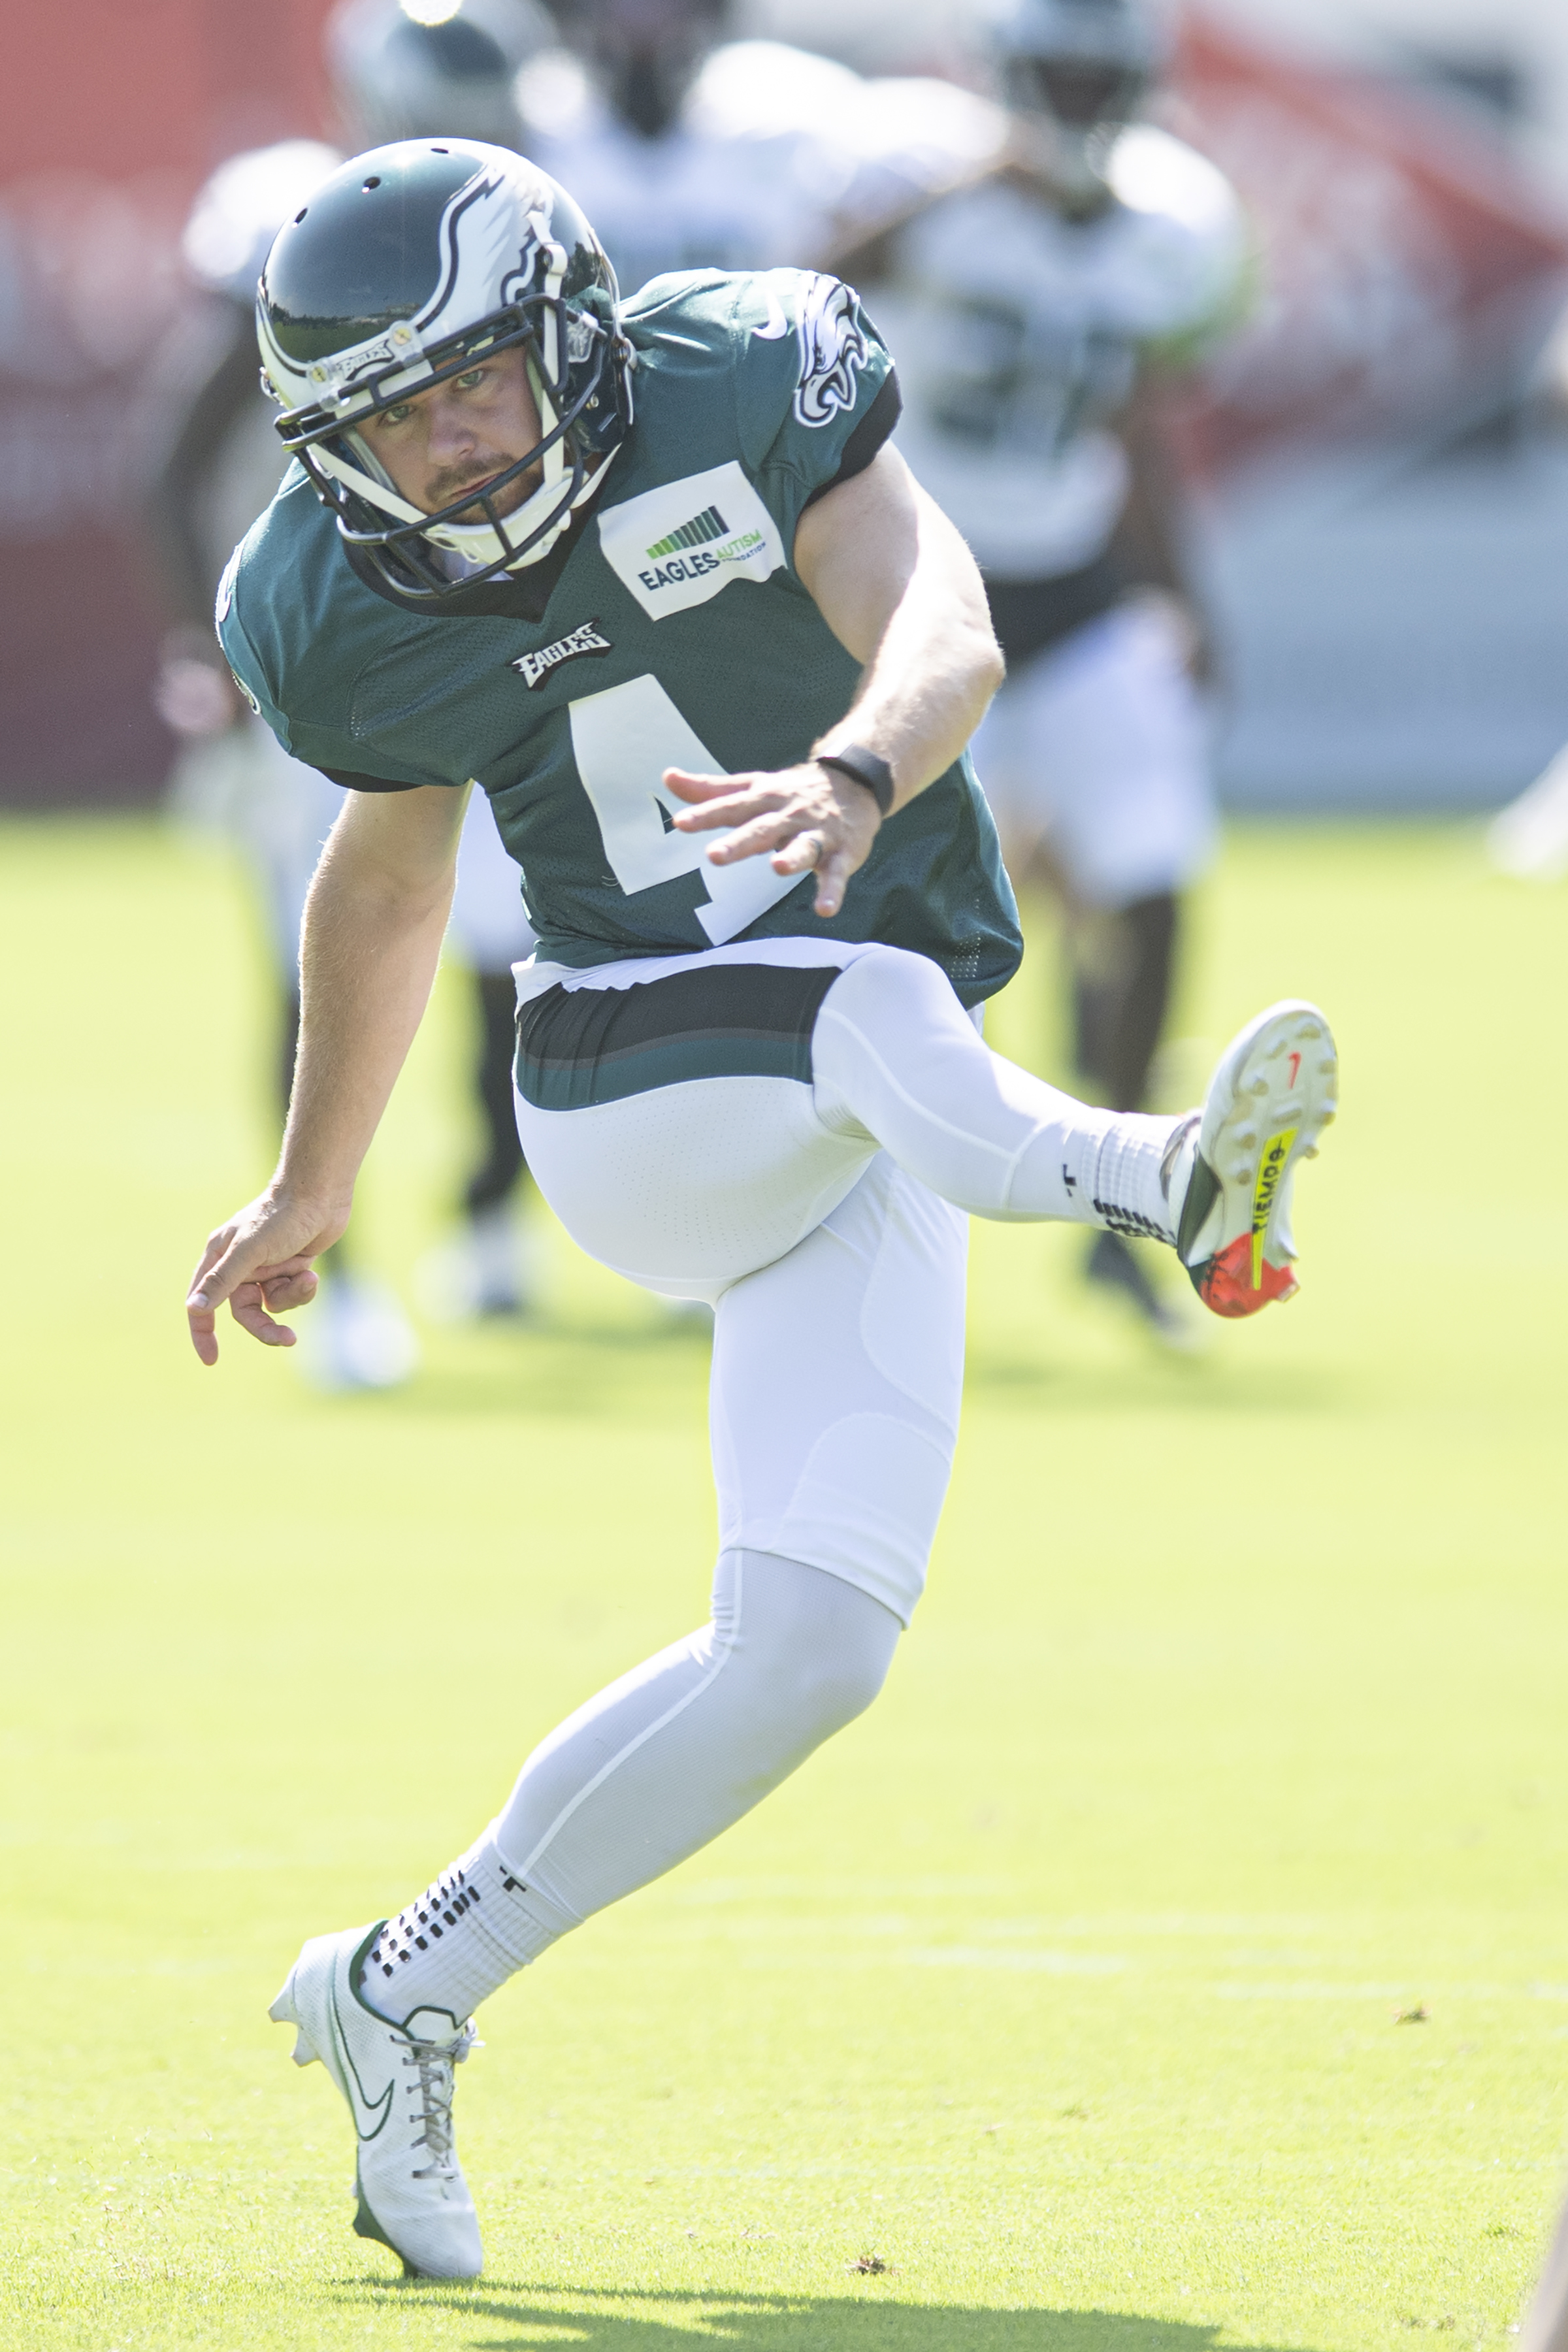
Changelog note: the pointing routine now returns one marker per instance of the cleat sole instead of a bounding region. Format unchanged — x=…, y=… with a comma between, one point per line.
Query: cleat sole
x=1268, y=1103
x=1225, y=1282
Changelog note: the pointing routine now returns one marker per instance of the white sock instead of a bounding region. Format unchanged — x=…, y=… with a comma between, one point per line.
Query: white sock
x=469, y=1931
x=1130, y=1194
x=644, y=1774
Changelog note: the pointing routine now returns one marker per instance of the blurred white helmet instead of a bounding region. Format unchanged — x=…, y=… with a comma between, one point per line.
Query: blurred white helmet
x=1078, y=71
x=237, y=213
x=433, y=68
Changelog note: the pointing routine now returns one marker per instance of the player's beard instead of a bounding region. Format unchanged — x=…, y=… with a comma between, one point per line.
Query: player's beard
x=451, y=483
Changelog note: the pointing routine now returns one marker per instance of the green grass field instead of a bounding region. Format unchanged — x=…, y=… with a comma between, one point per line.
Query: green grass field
x=1066, y=1983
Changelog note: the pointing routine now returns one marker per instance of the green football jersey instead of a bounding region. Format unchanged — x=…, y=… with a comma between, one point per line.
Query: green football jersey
x=671, y=630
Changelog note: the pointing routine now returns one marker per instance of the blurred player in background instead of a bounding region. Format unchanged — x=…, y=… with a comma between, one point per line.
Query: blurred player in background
x=1030, y=314
x=398, y=71
x=693, y=150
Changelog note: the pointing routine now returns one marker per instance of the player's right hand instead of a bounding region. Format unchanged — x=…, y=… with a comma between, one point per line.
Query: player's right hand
x=260, y=1261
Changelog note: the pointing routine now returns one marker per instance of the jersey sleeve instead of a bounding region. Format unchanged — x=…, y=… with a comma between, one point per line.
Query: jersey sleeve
x=242, y=657
x=298, y=644
x=815, y=389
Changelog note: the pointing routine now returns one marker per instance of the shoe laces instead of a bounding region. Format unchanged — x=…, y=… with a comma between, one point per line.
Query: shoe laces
x=434, y=2062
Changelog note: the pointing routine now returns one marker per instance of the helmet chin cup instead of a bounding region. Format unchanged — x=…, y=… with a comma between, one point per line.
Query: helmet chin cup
x=405, y=269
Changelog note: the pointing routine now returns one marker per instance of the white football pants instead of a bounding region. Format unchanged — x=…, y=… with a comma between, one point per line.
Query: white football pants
x=282, y=814
x=1098, y=750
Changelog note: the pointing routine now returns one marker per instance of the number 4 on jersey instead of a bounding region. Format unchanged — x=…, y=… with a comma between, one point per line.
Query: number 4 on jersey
x=622, y=740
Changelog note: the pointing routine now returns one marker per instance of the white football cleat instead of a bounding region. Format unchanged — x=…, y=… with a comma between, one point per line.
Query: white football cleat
x=397, y=2080
x=493, y=1267
x=357, y=1336
x=1230, y=1167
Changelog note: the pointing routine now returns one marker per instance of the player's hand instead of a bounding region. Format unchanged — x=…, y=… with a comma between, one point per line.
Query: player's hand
x=193, y=692
x=260, y=1262
x=1195, y=643
x=808, y=820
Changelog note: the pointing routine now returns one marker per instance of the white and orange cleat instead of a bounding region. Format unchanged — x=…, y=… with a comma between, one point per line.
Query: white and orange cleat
x=1231, y=1166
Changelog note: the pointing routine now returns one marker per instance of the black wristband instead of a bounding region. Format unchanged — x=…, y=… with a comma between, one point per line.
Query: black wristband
x=865, y=768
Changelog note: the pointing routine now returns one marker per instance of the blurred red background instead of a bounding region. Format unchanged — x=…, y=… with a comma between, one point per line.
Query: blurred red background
x=111, y=117
x=1408, y=274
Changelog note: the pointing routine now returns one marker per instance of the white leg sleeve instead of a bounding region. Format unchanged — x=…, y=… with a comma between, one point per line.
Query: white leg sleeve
x=894, y=1055
x=649, y=1771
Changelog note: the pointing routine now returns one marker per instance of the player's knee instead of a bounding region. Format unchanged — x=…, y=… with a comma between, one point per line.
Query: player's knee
x=894, y=977
x=824, y=1646
x=833, y=1690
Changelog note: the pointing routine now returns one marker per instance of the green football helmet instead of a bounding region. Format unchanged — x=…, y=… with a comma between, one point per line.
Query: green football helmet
x=402, y=269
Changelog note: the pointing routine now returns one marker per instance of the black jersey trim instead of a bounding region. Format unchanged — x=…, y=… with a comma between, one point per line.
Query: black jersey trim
x=580, y=1046
x=1029, y=616
x=353, y=782
x=875, y=428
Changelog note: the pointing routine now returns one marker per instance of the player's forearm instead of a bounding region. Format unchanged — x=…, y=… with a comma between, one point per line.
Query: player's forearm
x=927, y=686
x=899, y=588
x=1149, y=533
x=369, y=952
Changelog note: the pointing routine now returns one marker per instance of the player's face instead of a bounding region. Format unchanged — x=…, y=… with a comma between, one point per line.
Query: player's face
x=460, y=434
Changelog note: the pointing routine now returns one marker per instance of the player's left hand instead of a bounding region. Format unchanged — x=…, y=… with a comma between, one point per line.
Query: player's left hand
x=261, y=1261
x=810, y=819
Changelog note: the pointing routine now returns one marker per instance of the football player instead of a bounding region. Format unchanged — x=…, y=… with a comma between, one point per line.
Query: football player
x=397, y=71
x=653, y=578
x=691, y=148
x=1031, y=315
